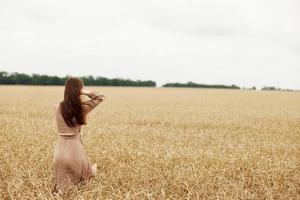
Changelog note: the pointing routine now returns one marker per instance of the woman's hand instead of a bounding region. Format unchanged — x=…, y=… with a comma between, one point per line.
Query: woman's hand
x=101, y=97
x=93, y=95
x=95, y=100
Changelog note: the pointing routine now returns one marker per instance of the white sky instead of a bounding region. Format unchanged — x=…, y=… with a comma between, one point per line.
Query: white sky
x=243, y=42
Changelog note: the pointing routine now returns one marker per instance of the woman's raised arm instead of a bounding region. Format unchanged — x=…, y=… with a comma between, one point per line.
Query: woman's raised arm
x=95, y=100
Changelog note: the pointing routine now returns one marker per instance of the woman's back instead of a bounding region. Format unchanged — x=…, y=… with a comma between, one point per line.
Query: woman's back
x=63, y=128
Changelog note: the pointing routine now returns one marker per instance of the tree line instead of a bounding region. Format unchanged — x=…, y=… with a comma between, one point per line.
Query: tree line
x=196, y=85
x=37, y=79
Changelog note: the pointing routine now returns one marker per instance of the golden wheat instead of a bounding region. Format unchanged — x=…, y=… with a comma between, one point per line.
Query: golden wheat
x=158, y=143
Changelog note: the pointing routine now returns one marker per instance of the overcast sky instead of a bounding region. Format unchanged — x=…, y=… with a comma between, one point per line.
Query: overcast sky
x=243, y=42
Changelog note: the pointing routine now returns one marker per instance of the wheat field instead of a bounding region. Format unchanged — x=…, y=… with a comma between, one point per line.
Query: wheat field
x=158, y=143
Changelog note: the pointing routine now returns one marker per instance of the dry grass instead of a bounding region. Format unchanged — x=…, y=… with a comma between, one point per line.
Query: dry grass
x=158, y=144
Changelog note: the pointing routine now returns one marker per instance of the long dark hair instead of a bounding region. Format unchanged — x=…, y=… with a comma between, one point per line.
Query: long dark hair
x=71, y=107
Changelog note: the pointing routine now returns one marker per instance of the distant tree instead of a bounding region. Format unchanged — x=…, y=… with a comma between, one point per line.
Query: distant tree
x=268, y=88
x=196, y=85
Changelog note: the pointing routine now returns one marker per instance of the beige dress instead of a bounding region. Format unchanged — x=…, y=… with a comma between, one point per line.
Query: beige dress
x=70, y=163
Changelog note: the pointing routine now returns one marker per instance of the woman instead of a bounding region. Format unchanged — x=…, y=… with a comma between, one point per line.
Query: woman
x=70, y=163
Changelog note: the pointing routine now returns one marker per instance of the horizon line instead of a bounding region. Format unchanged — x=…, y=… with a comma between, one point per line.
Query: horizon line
x=162, y=85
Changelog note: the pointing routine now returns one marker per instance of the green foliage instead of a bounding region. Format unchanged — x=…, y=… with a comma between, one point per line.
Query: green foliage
x=196, y=85
x=270, y=88
x=36, y=79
